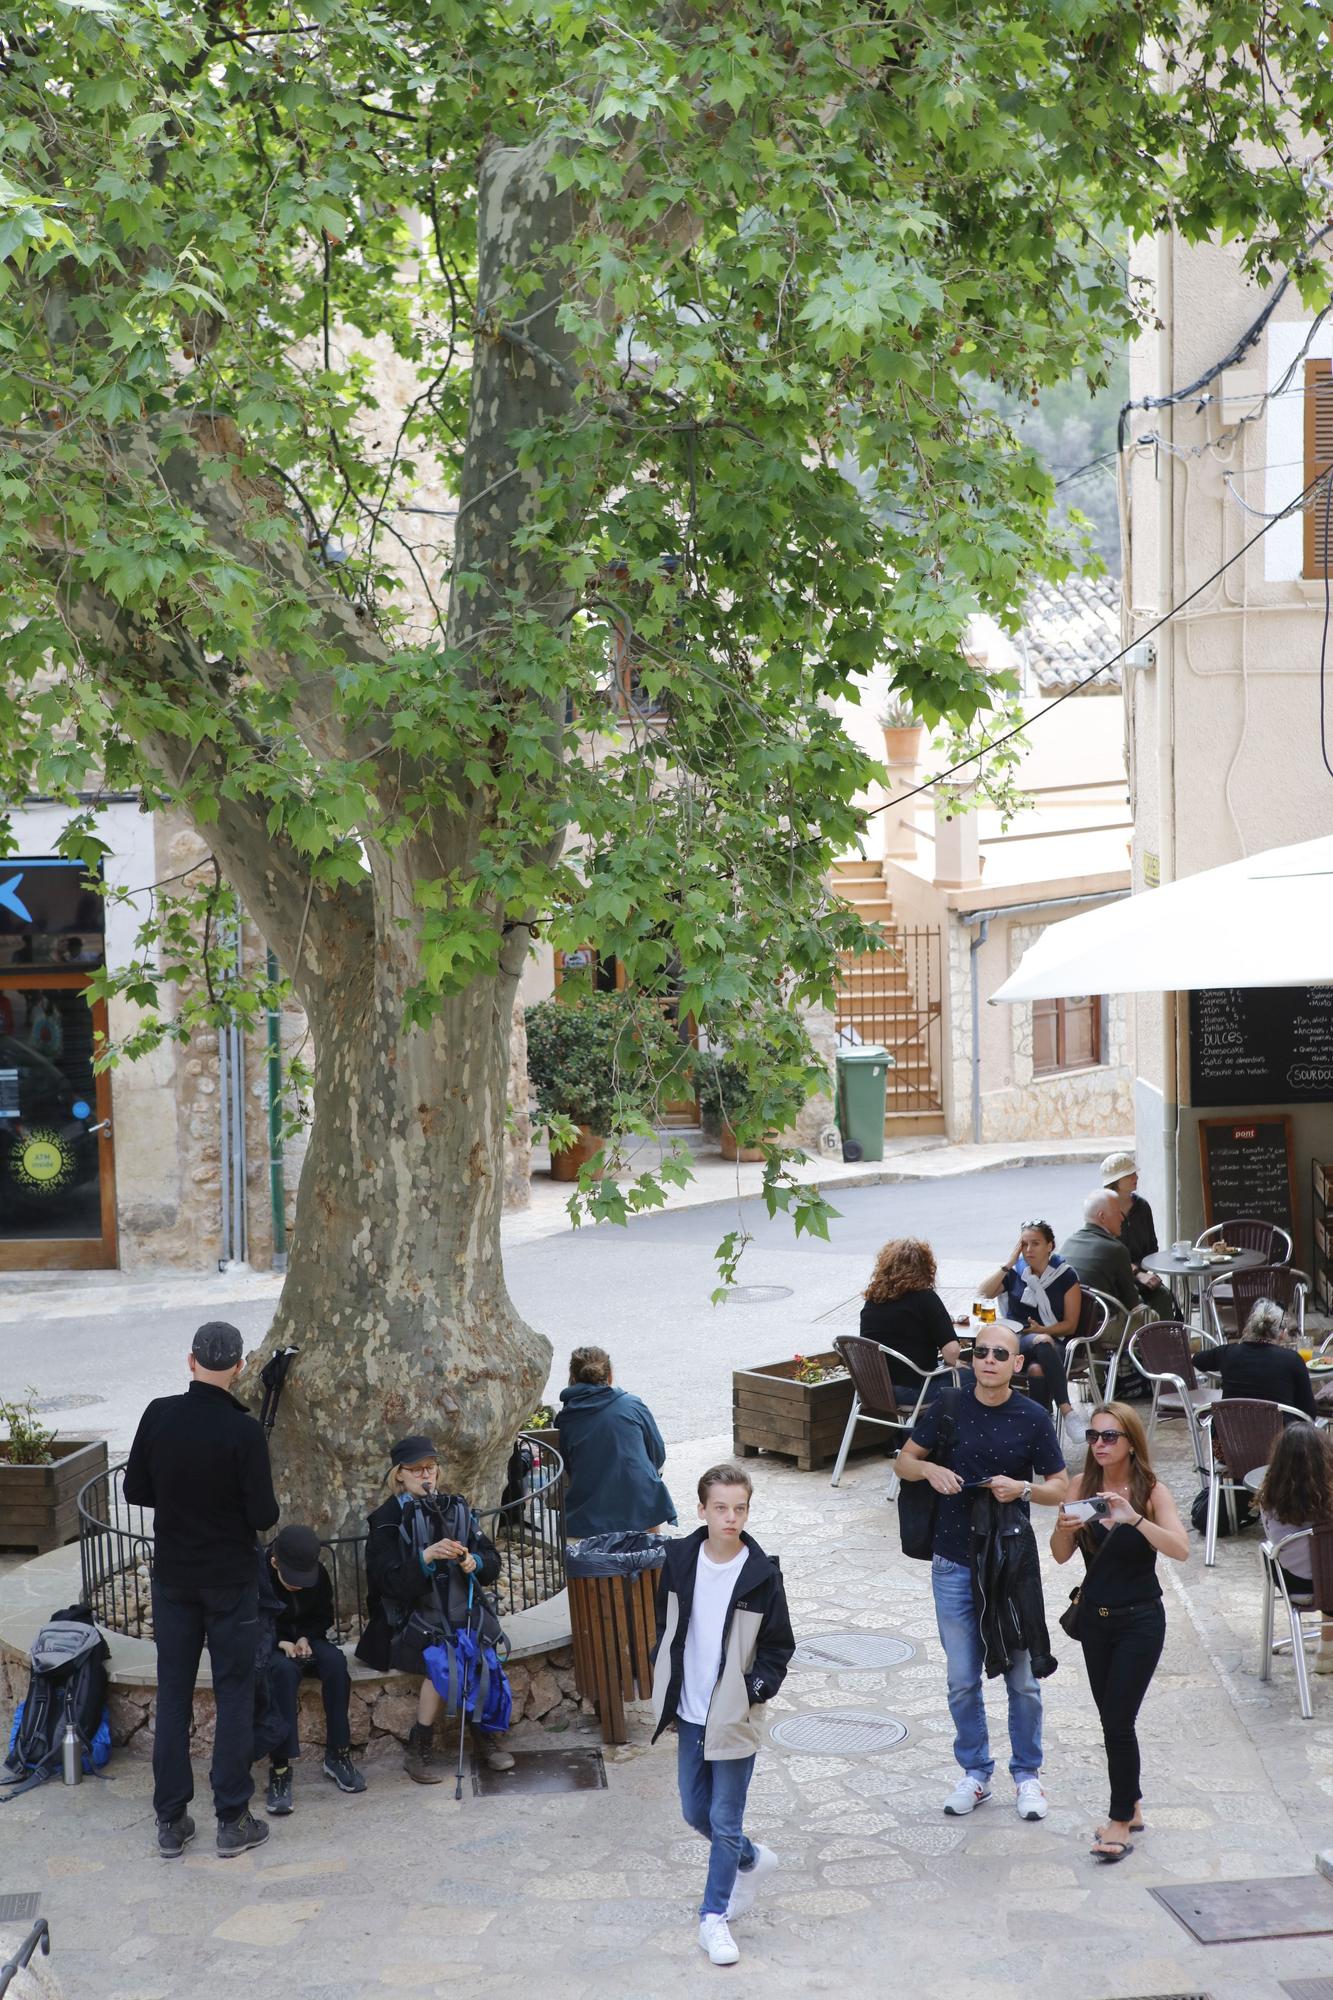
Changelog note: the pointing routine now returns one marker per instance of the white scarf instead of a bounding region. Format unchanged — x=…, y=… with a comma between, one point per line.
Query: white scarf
x=1035, y=1290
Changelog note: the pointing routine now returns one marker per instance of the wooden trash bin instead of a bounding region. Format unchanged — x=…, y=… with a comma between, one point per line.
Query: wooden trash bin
x=614, y=1627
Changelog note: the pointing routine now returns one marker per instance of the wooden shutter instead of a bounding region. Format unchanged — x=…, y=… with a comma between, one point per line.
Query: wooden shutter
x=1318, y=458
x=1045, y=1036
x=1082, y=1023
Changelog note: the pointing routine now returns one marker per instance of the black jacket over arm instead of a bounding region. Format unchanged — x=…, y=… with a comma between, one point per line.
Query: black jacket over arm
x=201, y=1462
x=1006, y=1587
x=395, y=1577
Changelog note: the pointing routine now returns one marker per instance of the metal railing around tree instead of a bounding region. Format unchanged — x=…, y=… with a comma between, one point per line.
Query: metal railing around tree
x=527, y=1528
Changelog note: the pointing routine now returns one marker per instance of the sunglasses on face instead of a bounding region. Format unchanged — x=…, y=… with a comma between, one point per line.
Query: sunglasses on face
x=983, y=1353
x=1103, y=1437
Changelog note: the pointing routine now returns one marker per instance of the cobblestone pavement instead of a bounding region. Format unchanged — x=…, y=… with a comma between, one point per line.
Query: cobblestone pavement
x=593, y=1894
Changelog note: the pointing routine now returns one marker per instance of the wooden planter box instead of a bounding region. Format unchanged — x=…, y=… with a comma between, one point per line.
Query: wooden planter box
x=39, y=1503
x=772, y=1411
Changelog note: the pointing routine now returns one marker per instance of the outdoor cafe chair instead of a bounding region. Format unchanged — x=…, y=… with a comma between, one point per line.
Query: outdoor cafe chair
x=1242, y=1291
x=1161, y=1353
x=1249, y=1232
x=1241, y=1432
x=873, y=1398
x=1297, y=1605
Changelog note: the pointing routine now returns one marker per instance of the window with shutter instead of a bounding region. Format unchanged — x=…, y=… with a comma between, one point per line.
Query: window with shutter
x=1045, y=1036
x=1066, y=1034
x=1318, y=458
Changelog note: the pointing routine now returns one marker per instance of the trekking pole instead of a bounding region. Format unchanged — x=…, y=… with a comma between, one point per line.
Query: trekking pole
x=462, y=1699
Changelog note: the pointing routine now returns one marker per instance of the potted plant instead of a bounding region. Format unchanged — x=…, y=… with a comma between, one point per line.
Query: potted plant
x=902, y=731
x=594, y=1061
x=41, y=1476
x=726, y=1102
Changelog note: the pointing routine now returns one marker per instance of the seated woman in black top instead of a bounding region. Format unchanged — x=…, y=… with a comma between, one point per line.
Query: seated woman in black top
x=1261, y=1364
x=1122, y=1625
x=903, y=1311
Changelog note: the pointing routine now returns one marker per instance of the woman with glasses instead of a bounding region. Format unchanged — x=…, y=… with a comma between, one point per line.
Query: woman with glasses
x=1122, y=1625
x=1041, y=1295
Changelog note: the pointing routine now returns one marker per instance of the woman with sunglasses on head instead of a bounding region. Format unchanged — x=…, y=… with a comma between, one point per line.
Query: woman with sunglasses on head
x=1122, y=1625
x=1039, y=1292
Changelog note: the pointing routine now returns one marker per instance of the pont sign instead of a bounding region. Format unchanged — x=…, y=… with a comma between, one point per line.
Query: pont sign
x=1247, y=1170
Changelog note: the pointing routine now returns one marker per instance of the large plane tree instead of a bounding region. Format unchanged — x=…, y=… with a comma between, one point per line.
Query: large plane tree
x=699, y=307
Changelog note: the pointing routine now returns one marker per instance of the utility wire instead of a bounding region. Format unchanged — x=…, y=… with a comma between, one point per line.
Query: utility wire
x=1324, y=479
x=1091, y=466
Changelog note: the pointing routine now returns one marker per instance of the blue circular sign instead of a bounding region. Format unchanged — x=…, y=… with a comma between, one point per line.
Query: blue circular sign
x=79, y=1109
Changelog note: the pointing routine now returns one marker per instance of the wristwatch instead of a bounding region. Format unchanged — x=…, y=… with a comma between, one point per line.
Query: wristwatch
x=1026, y=1494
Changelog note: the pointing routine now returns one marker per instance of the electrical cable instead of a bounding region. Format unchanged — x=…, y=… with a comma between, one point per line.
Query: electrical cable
x=1091, y=466
x=1324, y=479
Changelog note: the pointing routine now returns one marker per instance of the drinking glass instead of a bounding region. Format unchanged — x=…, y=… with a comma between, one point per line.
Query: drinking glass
x=985, y=1311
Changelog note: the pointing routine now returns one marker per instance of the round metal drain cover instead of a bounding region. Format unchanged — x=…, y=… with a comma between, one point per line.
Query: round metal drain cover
x=852, y=1649
x=839, y=1731
x=757, y=1295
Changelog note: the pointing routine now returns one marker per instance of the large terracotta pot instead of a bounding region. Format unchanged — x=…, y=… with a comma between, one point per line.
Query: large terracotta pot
x=903, y=746
x=732, y=1148
x=567, y=1165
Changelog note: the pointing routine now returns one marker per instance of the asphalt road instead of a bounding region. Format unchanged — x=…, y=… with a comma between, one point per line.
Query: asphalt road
x=641, y=1292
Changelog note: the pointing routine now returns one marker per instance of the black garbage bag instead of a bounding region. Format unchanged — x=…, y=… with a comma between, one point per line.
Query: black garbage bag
x=627, y=1552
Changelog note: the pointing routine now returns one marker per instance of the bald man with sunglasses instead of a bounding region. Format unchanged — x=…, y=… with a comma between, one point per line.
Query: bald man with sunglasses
x=1008, y=1443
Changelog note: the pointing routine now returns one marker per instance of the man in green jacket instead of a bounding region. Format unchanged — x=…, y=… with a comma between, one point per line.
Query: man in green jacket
x=1101, y=1260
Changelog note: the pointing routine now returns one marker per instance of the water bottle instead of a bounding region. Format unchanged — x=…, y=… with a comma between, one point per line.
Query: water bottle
x=71, y=1754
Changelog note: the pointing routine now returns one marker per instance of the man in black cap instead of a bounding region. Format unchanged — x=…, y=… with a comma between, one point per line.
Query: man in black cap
x=296, y=1593
x=200, y=1461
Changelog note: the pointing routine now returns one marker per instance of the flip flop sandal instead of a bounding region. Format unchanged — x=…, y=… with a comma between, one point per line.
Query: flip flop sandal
x=1103, y=1853
x=1135, y=1826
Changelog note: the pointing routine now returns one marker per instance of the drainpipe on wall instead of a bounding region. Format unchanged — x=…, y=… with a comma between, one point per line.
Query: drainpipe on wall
x=231, y=1091
x=983, y=919
x=1166, y=707
x=277, y=1182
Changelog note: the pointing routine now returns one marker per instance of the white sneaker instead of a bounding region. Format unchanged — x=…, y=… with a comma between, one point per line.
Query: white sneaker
x=717, y=1941
x=1031, y=1800
x=965, y=1797
x=748, y=1880
x=1074, y=1427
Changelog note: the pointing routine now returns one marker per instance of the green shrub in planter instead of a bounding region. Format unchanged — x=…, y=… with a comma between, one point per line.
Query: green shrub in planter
x=728, y=1094
x=599, y=1059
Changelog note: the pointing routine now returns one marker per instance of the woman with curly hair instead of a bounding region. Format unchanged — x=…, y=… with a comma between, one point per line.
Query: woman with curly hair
x=903, y=1311
x=1297, y=1493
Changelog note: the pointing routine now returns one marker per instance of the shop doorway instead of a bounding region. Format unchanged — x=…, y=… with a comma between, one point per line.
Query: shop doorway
x=57, y=1162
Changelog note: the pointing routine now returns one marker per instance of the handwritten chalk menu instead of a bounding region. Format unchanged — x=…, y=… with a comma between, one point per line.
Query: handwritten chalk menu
x=1261, y=1045
x=1247, y=1170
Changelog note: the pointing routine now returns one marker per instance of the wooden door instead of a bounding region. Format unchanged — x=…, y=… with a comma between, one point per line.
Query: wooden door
x=57, y=1155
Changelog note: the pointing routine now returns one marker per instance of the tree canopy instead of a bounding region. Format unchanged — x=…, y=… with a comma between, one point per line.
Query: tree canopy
x=708, y=314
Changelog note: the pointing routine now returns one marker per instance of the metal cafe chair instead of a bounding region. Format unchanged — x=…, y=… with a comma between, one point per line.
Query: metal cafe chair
x=1249, y=1232
x=873, y=1398
x=1093, y=1317
x=1161, y=1353
x=1297, y=1605
x=1241, y=1432
x=1242, y=1291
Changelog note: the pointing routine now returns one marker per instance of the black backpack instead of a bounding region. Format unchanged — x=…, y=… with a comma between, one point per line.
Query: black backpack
x=68, y=1679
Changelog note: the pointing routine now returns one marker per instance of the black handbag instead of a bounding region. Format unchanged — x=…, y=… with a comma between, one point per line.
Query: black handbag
x=1071, y=1618
x=917, y=1499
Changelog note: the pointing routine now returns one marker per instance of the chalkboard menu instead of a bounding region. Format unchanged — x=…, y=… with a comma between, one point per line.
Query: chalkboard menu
x=1247, y=1170
x=1261, y=1045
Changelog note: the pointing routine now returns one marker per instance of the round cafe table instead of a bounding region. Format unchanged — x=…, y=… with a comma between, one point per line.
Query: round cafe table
x=1198, y=1271
x=1255, y=1477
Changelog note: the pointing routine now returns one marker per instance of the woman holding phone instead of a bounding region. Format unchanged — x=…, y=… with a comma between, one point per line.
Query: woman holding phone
x=1121, y=1517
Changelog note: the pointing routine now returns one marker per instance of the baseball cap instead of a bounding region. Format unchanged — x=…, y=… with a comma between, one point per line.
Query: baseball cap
x=217, y=1345
x=296, y=1550
x=412, y=1450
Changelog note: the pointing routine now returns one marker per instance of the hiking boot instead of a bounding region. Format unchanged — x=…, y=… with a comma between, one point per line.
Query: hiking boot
x=490, y=1750
x=419, y=1759
x=278, y=1797
x=717, y=1941
x=236, y=1836
x=173, y=1836
x=338, y=1765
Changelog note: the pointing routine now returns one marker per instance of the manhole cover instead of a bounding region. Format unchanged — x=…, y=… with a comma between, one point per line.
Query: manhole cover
x=46, y=1403
x=1234, y=1912
x=852, y=1649
x=18, y=1909
x=757, y=1295
x=844, y=1731
x=543, y=1771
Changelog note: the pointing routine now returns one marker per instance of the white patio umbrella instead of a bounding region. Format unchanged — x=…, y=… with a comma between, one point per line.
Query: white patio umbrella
x=1264, y=921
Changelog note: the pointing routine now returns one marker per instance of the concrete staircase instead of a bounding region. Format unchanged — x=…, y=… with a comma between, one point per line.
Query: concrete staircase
x=875, y=996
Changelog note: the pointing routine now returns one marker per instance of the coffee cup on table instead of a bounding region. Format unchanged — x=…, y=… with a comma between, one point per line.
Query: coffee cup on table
x=1181, y=1249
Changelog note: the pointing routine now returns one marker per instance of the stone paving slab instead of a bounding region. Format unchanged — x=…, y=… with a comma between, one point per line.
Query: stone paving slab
x=593, y=1894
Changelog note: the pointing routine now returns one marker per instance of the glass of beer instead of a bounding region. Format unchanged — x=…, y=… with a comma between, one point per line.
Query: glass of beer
x=985, y=1311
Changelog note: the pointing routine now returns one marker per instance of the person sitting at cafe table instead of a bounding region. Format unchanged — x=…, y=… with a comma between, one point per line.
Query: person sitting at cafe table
x=1262, y=1363
x=1097, y=1252
x=1138, y=1231
x=1297, y=1494
x=1040, y=1295
x=903, y=1311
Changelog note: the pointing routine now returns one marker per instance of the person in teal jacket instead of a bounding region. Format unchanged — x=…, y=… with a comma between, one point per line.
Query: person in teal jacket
x=613, y=1453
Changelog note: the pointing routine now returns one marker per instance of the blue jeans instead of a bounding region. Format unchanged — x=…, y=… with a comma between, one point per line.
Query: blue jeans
x=712, y=1798
x=960, y=1636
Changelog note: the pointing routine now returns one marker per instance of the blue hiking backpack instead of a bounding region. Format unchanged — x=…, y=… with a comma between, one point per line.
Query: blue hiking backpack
x=68, y=1679
x=466, y=1672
